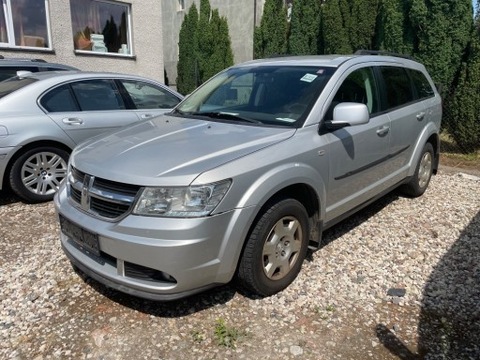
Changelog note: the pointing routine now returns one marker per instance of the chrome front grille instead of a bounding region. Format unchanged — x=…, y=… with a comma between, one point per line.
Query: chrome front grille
x=100, y=197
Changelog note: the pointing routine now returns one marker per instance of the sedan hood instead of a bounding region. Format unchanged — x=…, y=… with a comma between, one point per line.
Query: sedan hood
x=171, y=151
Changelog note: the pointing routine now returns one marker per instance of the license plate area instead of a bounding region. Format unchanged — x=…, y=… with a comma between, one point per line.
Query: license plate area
x=87, y=240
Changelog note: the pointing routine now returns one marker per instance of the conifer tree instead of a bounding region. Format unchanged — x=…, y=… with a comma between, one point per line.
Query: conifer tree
x=270, y=38
x=443, y=30
x=187, y=66
x=334, y=35
x=204, y=47
x=462, y=108
x=304, y=28
x=221, y=55
x=395, y=31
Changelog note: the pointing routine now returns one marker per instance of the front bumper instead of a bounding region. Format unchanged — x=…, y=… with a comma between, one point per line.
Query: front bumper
x=186, y=256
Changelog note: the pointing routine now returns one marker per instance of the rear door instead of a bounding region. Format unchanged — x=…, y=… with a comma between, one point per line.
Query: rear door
x=406, y=111
x=359, y=160
x=87, y=108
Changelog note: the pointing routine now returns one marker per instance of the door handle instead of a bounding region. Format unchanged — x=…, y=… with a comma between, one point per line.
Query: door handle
x=420, y=116
x=146, y=116
x=72, y=121
x=383, y=131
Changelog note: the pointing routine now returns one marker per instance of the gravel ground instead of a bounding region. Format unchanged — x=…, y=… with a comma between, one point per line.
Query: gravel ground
x=399, y=280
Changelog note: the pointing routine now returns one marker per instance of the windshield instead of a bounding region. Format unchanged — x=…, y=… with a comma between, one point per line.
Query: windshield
x=260, y=95
x=13, y=84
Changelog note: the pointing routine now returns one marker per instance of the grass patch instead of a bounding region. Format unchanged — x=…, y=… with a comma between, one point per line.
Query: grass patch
x=454, y=156
x=226, y=336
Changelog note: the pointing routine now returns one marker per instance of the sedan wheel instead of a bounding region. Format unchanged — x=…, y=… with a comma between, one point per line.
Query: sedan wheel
x=37, y=174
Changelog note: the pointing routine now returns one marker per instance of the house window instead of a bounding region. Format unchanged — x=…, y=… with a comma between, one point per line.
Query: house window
x=24, y=23
x=101, y=26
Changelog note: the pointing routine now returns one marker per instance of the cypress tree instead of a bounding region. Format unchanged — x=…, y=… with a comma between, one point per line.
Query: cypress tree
x=271, y=36
x=395, y=31
x=187, y=67
x=304, y=28
x=335, y=38
x=362, y=24
x=204, y=47
x=443, y=31
x=206, y=39
x=462, y=109
x=221, y=55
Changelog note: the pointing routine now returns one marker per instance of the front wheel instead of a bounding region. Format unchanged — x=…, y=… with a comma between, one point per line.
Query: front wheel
x=275, y=250
x=423, y=173
x=37, y=174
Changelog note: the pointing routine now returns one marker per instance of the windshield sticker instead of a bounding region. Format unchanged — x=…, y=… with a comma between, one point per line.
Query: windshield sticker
x=286, y=120
x=308, y=77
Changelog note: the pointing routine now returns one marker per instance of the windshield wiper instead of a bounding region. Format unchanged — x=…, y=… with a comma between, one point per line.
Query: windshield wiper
x=226, y=116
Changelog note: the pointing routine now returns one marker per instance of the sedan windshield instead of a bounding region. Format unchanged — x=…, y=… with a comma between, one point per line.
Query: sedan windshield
x=259, y=95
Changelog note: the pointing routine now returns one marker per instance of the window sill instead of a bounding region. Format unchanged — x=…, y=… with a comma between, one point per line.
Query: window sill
x=105, y=54
x=29, y=49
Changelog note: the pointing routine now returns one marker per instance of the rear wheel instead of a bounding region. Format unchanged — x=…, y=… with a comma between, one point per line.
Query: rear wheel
x=423, y=173
x=36, y=175
x=275, y=249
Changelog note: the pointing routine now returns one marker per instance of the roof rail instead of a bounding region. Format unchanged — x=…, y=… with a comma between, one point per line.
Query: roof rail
x=2, y=57
x=381, y=52
x=39, y=60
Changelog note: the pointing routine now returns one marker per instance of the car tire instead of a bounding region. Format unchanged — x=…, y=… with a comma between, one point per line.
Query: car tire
x=37, y=174
x=275, y=249
x=423, y=173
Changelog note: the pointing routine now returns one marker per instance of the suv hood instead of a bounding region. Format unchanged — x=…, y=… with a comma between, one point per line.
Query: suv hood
x=171, y=151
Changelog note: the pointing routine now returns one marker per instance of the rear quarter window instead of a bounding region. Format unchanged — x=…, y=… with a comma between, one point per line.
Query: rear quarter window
x=422, y=87
x=398, y=88
x=59, y=99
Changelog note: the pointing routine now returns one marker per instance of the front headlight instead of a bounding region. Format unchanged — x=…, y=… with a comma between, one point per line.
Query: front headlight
x=191, y=201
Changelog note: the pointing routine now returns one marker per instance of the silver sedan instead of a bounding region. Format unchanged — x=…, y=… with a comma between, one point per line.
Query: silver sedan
x=43, y=116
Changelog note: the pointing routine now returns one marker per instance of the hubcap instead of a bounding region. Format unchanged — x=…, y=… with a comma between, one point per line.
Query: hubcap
x=42, y=173
x=425, y=170
x=282, y=247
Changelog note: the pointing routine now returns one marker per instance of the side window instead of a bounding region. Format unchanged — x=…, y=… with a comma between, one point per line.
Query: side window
x=398, y=87
x=147, y=96
x=359, y=87
x=422, y=86
x=97, y=95
x=59, y=99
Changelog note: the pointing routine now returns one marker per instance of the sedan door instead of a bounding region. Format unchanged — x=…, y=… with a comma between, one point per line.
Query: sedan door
x=149, y=99
x=86, y=108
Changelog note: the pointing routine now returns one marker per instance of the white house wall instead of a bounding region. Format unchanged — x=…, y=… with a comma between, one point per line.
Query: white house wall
x=147, y=59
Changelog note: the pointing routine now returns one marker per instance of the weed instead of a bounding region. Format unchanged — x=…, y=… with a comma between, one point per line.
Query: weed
x=197, y=336
x=226, y=336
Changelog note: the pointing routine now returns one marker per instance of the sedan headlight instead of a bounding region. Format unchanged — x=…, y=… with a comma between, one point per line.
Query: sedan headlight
x=191, y=201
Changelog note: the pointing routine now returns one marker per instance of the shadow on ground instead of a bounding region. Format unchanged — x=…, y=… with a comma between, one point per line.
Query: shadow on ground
x=222, y=294
x=449, y=324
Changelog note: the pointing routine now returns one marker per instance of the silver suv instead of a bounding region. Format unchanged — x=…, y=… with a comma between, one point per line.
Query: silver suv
x=243, y=176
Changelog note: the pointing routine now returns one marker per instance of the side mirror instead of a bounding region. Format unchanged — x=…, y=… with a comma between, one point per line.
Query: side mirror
x=348, y=114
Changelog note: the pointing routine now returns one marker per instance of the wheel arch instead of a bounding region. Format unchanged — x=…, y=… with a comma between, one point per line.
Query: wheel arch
x=429, y=135
x=24, y=148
